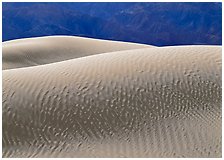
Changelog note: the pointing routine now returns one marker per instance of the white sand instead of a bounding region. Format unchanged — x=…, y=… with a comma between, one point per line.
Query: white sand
x=150, y=102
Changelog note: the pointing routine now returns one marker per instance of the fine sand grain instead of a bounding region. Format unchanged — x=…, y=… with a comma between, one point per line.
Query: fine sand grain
x=149, y=102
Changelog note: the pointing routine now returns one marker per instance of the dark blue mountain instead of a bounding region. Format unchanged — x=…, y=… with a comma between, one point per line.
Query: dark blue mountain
x=158, y=24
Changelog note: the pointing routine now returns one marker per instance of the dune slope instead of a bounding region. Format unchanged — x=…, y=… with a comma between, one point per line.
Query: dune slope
x=44, y=50
x=151, y=102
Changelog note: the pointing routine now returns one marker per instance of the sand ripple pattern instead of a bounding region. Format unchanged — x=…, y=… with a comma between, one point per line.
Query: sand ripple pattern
x=151, y=102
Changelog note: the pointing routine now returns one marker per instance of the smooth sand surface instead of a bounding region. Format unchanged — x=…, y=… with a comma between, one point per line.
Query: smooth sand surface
x=43, y=50
x=150, y=102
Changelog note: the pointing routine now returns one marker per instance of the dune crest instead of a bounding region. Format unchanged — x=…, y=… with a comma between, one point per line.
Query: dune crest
x=43, y=50
x=149, y=102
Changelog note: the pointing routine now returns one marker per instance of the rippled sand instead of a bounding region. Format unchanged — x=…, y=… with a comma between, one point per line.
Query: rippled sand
x=147, y=102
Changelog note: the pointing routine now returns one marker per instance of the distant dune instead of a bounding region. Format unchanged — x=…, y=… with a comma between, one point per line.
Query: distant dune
x=44, y=50
x=115, y=100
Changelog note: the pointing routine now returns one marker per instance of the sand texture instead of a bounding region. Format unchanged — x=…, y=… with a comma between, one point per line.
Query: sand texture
x=147, y=102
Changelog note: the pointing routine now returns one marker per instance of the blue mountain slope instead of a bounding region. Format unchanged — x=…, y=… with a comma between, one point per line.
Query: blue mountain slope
x=150, y=23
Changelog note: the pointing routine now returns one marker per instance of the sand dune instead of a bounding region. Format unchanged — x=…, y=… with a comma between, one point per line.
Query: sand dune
x=149, y=102
x=44, y=50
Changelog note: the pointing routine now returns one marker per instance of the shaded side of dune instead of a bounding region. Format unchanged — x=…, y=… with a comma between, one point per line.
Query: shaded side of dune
x=44, y=50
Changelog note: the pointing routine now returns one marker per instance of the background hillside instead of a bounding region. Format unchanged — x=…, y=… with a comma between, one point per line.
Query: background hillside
x=158, y=24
